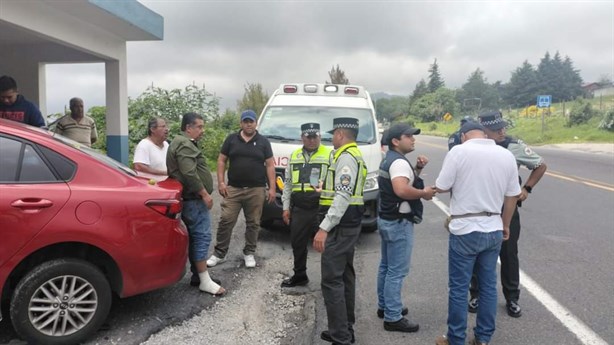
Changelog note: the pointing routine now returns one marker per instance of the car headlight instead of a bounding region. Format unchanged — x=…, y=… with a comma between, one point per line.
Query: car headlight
x=371, y=182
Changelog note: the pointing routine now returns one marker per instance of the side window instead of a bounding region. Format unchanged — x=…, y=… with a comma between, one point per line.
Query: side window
x=63, y=166
x=33, y=168
x=9, y=159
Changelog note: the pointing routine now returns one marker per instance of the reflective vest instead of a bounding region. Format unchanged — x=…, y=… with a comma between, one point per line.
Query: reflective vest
x=328, y=189
x=301, y=169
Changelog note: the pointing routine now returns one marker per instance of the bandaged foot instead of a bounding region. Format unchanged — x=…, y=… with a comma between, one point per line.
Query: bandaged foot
x=208, y=285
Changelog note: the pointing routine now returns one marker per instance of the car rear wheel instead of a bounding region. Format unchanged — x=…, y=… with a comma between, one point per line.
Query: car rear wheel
x=60, y=302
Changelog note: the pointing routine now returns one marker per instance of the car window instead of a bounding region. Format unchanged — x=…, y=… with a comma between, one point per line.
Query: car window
x=65, y=168
x=284, y=122
x=33, y=168
x=9, y=159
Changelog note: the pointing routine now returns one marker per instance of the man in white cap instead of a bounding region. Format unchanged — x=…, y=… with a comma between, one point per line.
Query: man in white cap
x=308, y=166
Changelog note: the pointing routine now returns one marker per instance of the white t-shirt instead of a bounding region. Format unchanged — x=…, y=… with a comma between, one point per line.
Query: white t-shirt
x=401, y=168
x=479, y=174
x=150, y=154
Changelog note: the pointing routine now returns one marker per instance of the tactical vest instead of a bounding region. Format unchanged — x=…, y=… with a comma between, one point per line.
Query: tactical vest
x=302, y=172
x=353, y=215
x=389, y=202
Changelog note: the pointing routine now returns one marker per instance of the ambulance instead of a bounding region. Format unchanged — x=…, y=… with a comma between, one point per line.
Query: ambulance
x=294, y=104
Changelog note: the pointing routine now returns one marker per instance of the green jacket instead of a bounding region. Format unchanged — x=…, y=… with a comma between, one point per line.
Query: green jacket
x=186, y=163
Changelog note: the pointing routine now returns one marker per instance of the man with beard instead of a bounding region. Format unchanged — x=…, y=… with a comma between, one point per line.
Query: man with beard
x=399, y=209
x=251, y=167
x=187, y=164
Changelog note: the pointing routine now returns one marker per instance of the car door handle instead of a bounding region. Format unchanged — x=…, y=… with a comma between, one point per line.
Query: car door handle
x=32, y=205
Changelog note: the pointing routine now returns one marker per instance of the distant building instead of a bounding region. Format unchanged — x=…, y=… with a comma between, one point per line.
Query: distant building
x=598, y=89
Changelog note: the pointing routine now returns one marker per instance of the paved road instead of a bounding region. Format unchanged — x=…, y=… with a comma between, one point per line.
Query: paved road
x=566, y=248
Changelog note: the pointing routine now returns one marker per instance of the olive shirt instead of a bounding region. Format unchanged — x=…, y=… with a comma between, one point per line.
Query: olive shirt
x=187, y=164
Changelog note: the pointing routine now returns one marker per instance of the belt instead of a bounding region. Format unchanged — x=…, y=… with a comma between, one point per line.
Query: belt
x=479, y=214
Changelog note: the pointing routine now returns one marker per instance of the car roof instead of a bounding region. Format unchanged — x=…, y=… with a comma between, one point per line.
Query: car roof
x=14, y=127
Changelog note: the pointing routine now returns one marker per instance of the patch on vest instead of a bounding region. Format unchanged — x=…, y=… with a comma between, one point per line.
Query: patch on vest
x=345, y=179
x=528, y=151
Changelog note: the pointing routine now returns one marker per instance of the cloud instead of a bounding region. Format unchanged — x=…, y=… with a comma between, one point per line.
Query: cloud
x=383, y=45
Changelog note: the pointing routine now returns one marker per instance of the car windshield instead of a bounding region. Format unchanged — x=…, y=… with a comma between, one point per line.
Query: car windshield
x=101, y=157
x=284, y=122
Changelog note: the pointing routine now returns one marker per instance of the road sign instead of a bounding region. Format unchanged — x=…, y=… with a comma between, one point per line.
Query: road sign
x=543, y=101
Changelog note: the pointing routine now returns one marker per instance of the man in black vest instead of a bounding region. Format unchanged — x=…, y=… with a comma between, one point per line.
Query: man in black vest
x=399, y=209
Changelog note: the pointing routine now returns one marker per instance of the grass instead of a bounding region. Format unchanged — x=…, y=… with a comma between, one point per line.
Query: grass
x=530, y=129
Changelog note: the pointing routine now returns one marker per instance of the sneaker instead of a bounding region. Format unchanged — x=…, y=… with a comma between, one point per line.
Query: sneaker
x=473, y=305
x=402, y=325
x=214, y=260
x=441, y=340
x=250, y=261
x=513, y=309
x=380, y=312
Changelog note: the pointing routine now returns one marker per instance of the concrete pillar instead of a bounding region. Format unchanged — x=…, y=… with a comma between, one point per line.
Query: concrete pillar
x=117, y=108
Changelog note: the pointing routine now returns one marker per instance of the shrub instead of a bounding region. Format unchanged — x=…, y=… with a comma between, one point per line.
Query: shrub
x=607, y=122
x=433, y=127
x=580, y=113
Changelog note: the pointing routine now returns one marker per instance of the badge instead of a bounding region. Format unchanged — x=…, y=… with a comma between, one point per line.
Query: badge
x=345, y=170
x=528, y=151
x=345, y=179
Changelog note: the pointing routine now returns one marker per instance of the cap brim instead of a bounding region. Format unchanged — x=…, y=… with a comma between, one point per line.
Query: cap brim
x=412, y=131
x=497, y=126
x=332, y=131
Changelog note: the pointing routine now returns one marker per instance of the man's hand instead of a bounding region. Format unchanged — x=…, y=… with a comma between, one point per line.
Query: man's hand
x=286, y=216
x=221, y=188
x=319, y=240
x=208, y=200
x=271, y=196
x=523, y=194
x=318, y=189
x=506, y=233
x=429, y=193
x=421, y=161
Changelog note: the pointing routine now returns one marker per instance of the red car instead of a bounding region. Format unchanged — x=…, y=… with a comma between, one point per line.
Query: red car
x=75, y=227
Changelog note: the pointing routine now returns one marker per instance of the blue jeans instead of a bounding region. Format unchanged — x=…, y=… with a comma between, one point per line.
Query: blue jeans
x=397, y=242
x=197, y=219
x=480, y=249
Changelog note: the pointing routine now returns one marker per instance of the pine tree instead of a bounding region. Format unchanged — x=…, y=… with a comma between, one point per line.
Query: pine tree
x=337, y=76
x=522, y=89
x=435, y=80
x=254, y=98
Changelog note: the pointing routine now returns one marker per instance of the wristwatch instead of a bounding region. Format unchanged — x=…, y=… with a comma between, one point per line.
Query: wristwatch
x=529, y=189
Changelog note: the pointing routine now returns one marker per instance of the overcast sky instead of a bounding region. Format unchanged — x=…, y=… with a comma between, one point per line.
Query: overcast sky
x=386, y=46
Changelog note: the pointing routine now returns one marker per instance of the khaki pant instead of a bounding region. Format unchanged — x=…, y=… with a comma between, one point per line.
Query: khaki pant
x=251, y=200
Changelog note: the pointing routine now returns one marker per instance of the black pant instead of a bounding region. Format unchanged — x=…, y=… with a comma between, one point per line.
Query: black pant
x=510, y=268
x=303, y=224
x=339, y=282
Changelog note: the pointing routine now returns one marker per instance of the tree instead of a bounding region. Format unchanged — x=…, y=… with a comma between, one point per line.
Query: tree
x=522, y=89
x=435, y=80
x=477, y=94
x=254, y=98
x=420, y=90
x=337, y=76
x=388, y=109
x=433, y=105
x=572, y=82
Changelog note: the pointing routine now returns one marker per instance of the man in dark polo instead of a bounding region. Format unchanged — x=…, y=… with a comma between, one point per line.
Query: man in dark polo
x=251, y=167
x=308, y=166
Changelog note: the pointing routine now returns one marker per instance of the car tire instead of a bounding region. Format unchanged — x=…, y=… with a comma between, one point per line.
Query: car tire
x=41, y=309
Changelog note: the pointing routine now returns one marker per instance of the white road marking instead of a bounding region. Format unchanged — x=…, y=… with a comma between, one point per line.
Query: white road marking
x=578, y=328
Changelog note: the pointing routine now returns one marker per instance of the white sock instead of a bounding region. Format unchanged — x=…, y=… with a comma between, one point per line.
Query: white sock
x=206, y=284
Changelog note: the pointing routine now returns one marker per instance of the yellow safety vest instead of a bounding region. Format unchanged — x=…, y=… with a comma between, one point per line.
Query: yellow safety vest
x=328, y=190
x=297, y=161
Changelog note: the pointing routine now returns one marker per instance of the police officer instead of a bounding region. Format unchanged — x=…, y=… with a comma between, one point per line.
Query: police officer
x=341, y=203
x=510, y=272
x=455, y=138
x=308, y=166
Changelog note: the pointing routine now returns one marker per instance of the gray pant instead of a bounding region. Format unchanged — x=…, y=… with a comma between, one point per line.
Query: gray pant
x=251, y=200
x=339, y=282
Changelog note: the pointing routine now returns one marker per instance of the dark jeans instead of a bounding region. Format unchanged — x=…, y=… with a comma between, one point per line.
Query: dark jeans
x=510, y=268
x=303, y=224
x=339, y=282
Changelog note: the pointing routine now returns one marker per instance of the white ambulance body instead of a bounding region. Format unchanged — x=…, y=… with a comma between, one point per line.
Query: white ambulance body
x=294, y=104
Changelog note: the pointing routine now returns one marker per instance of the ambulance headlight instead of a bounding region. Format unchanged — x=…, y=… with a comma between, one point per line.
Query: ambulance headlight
x=371, y=182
